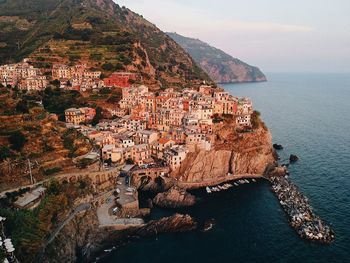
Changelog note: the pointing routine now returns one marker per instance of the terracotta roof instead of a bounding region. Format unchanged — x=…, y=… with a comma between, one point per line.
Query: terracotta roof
x=163, y=140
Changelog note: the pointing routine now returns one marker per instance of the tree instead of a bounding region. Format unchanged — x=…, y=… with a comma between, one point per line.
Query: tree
x=55, y=83
x=5, y=153
x=108, y=67
x=129, y=161
x=17, y=140
x=22, y=106
x=97, y=117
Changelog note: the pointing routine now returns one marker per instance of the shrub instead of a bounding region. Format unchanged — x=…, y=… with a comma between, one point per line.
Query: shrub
x=83, y=163
x=96, y=56
x=129, y=161
x=5, y=153
x=52, y=171
x=255, y=119
x=108, y=67
x=105, y=91
x=119, y=66
x=22, y=107
x=97, y=117
x=17, y=140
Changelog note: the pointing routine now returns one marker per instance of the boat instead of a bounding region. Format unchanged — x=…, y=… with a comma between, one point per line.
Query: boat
x=208, y=190
x=254, y=180
x=214, y=189
x=208, y=225
x=246, y=181
x=235, y=184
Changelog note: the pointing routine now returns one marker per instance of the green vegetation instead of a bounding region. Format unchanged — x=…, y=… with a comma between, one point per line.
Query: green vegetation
x=68, y=141
x=5, y=153
x=57, y=101
x=83, y=163
x=256, y=121
x=52, y=171
x=129, y=161
x=106, y=35
x=97, y=117
x=17, y=141
x=29, y=228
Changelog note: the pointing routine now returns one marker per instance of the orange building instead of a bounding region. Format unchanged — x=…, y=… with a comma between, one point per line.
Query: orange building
x=119, y=79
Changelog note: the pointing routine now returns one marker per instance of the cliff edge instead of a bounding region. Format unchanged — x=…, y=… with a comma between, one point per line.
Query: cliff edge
x=235, y=154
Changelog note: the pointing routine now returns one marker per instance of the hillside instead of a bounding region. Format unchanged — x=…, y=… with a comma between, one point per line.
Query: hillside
x=220, y=66
x=99, y=33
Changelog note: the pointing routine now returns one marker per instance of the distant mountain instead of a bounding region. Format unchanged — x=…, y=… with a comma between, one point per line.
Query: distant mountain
x=220, y=66
x=99, y=33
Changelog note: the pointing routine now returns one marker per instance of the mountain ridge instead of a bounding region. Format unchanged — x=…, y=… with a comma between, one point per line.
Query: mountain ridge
x=99, y=33
x=220, y=66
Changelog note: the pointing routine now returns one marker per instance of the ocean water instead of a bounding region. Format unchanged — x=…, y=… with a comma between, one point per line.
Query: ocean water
x=309, y=114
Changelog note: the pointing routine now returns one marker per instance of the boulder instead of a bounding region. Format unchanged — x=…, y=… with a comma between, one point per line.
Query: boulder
x=277, y=146
x=175, y=197
x=177, y=223
x=293, y=158
x=278, y=172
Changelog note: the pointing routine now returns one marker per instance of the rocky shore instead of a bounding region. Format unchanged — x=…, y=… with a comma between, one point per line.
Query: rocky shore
x=300, y=213
x=109, y=238
x=175, y=197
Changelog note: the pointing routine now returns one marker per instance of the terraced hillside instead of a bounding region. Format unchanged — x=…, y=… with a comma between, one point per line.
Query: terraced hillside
x=97, y=32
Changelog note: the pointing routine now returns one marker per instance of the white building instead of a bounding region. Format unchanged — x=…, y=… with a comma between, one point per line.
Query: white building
x=175, y=156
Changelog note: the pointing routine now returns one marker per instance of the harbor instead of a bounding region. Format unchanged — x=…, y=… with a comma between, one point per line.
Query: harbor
x=226, y=186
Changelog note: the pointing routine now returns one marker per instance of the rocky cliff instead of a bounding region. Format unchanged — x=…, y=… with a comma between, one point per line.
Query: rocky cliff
x=234, y=154
x=220, y=66
x=175, y=197
x=82, y=240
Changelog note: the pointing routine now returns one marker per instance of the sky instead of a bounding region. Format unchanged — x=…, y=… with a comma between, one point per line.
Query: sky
x=275, y=35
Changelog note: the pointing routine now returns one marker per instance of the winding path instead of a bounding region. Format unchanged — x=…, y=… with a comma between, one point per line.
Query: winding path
x=78, y=209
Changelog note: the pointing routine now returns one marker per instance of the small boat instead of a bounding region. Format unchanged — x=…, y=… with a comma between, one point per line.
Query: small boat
x=235, y=184
x=246, y=181
x=208, y=225
x=254, y=180
x=215, y=189
x=208, y=190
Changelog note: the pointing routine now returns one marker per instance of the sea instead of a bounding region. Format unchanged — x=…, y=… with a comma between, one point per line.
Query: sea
x=309, y=114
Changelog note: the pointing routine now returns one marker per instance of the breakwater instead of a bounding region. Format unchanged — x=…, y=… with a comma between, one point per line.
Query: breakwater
x=300, y=213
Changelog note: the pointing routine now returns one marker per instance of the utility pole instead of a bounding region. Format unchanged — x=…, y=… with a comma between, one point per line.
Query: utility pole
x=30, y=171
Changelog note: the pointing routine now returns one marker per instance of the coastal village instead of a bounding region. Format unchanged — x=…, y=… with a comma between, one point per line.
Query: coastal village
x=149, y=136
x=150, y=133
x=148, y=127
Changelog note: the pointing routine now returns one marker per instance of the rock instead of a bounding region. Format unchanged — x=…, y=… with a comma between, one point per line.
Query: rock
x=175, y=197
x=278, y=171
x=293, y=158
x=277, y=146
x=108, y=237
x=174, y=224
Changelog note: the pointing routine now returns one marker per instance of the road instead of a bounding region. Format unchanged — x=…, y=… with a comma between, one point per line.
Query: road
x=57, y=177
x=78, y=209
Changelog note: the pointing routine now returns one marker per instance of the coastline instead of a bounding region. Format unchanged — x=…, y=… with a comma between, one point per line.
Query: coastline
x=194, y=185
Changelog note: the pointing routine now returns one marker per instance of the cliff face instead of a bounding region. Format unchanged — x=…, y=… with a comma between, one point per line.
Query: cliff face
x=220, y=66
x=234, y=154
x=82, y=240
